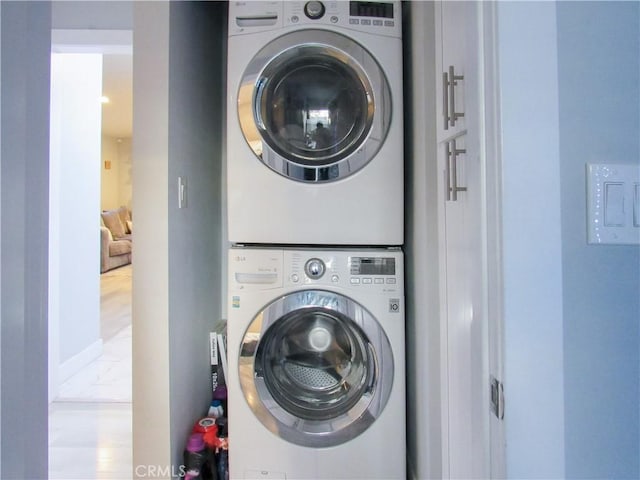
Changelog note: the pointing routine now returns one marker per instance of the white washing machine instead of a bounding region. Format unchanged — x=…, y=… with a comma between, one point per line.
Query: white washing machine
x=314, y=130
x=316, y=386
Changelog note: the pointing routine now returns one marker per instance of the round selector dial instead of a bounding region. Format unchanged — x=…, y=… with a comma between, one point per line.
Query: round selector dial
x=314, y=268
x=314, y=10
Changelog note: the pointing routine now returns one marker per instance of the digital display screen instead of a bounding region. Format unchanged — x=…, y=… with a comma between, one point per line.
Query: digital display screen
x=371, y=9
x=373, y=266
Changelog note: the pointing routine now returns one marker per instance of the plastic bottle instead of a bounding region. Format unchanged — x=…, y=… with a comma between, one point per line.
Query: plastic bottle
x=204, y=425
x=211, y=440
x=223, y=464
x=220, y=393
x=198, y=458
x=222, y=452
x=192, y=475
x=216, y=410
x=221, y=423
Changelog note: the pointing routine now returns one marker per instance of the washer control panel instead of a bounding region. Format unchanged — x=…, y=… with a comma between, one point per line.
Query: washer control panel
x=381, y=269
x=375, y=270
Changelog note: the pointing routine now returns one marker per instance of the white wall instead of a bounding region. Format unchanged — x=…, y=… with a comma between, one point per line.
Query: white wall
x=74, y=248
x=1, y=233
x=92, y=14
x=532, y=240
x=151, y=383
x=109, y=177
x=599, y=83
x=24, y=156
x=125, y=170
x=116, y=182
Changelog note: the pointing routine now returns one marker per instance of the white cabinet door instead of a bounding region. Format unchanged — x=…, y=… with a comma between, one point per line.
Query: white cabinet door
x=464, y=329
x=463, y=260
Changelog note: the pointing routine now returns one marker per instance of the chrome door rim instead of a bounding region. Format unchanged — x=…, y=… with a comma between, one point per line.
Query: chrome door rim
x=359, y=149
x=345, y=425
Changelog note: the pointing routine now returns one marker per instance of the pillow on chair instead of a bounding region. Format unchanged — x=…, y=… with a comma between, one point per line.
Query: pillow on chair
x=111, y=219
x=125, y=218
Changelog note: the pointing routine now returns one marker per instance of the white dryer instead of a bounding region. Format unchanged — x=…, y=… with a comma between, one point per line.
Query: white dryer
x=314, y=123
x=316, y=386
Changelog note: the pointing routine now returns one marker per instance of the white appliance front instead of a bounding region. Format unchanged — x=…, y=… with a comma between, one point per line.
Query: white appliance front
x=314, y=123
x=316, y=386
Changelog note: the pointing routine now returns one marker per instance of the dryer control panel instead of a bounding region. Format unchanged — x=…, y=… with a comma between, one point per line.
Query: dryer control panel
x=380, y=18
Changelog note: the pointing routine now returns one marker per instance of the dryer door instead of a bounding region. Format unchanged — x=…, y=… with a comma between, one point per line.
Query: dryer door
x=314, y=106
x=316, y=368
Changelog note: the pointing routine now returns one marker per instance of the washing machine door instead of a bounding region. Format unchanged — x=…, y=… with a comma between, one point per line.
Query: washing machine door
x=316, y=368
x=314, y=106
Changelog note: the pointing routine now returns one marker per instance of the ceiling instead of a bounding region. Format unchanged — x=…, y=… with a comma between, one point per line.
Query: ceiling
x=117, y=85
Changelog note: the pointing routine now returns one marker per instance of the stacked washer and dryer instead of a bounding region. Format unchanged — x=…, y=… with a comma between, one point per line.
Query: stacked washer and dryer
x=315, y=331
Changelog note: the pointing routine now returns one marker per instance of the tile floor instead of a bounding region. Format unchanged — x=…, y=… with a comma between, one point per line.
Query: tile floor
x=90, y=421
x=107, y=379
x=90, y=441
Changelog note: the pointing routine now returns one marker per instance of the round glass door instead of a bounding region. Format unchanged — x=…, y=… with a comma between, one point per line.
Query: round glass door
x=314, y=106
x=316, y=368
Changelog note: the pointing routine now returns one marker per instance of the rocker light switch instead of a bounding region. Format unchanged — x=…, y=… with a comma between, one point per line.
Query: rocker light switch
x=613, y=210
x=636, y=205
x=614, y=204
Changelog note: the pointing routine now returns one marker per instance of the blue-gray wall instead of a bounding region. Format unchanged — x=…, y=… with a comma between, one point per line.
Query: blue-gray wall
x=196, y=119
x=24, y=173
x=178, y=87
x=599, y=98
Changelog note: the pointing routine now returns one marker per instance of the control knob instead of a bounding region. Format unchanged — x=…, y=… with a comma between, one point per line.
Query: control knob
x=314, y=10
x=314, y=268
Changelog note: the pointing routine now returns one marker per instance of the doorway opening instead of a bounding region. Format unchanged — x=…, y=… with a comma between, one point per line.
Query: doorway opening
x=90, y=337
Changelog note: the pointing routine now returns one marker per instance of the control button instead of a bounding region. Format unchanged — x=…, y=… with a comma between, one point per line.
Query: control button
x=354, y=21
x=314, y=10
x=378, y=281
x=295, y=278
x=389, y=23
x=335, y=278
x=366, y=280
x=365, y=22
x=295, y=19
x=355, y=281
x=334, y=19
x=314, y=268
x=391, y=281
x=377, y=23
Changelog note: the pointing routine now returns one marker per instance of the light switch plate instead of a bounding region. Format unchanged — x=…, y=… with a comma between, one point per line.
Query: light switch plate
x=182, y=192
x=613, y=204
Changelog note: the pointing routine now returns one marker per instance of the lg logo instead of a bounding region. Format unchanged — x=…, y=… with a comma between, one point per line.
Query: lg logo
x=394, y=305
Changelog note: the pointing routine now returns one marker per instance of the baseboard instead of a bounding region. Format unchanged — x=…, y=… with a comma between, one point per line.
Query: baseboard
x=73, y=365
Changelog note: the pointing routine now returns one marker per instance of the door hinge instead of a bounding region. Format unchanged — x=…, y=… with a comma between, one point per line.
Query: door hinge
x=497, y=398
